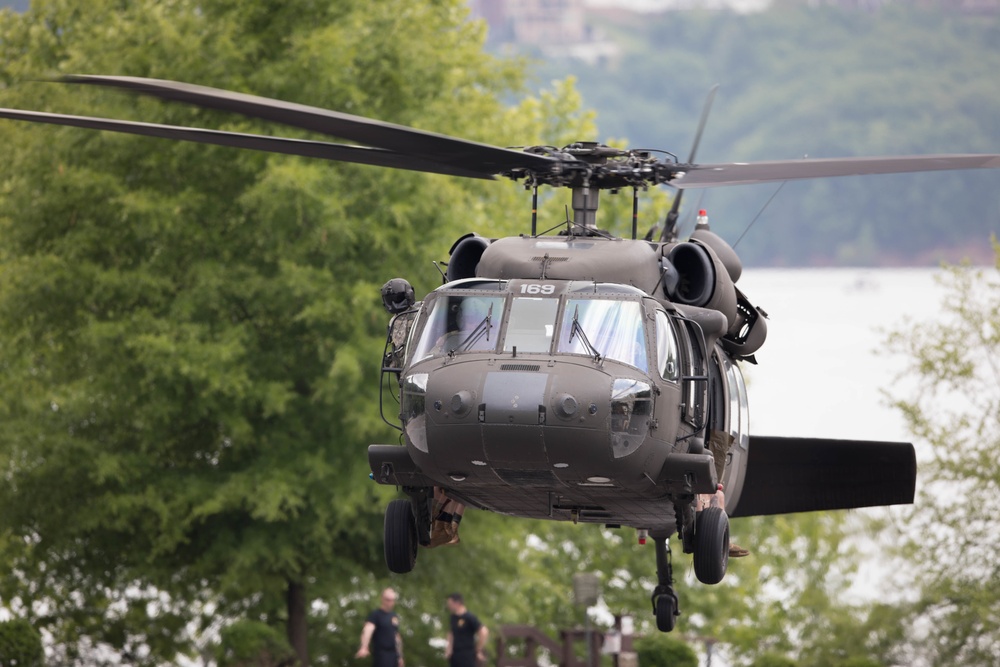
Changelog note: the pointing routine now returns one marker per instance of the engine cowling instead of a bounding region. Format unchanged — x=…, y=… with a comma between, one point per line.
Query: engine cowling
x=703, y=280
x=465, y=255
x=724, y=251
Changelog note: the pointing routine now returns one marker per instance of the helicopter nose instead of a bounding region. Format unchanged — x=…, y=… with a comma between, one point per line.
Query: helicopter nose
x=520, y=416
x=515, y=397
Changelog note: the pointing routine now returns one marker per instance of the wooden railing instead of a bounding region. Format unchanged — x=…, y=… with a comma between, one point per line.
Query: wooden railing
x=532, y=639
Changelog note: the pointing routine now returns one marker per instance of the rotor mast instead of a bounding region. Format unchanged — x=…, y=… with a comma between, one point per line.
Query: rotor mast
x=585, y=196
x=587, y=167
x=585, y=203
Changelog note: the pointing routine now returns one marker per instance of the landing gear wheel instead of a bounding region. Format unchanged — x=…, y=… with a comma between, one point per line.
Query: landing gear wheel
x=711, y=545
x=400, y=537
x=665, y=607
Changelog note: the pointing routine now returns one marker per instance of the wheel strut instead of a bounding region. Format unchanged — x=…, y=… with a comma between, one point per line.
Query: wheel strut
x=665, y=603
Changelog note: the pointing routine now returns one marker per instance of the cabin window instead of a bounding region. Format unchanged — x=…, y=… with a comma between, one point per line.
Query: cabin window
x=613, y=329
x=531, y=325
x=460, y=323
x=666, y=348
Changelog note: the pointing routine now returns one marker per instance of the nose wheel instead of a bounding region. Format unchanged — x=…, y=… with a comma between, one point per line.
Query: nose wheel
x=710, y=543
x=665, y=603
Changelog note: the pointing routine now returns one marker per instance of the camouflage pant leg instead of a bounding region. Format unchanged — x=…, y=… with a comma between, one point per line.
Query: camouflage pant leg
x=719, y=443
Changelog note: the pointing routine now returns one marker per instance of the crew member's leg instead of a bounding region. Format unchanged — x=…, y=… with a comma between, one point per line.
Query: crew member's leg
x=447, y=517
x=719, y=443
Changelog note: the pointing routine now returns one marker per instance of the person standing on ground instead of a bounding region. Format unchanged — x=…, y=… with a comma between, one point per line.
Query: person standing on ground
x=380, y=636
x=467, y=636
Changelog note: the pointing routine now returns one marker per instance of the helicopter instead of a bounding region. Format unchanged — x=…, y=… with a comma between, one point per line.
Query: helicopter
x=575, y=376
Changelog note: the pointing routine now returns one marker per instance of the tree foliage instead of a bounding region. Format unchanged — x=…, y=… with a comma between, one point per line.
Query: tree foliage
x=954, y=412
x=253, y=644
x=773, y=660
x=20, y=644
x=192, y=334
x=659, y=650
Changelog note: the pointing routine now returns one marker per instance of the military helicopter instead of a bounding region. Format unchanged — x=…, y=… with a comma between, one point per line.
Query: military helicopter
x=575, y=376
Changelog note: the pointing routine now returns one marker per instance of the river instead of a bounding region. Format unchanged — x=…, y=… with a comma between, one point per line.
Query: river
x=824, y=367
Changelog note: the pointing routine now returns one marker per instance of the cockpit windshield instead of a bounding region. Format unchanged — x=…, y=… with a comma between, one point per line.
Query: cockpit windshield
x=613, y=329
x=532, y=323
x=460, y=323
x=595, y=327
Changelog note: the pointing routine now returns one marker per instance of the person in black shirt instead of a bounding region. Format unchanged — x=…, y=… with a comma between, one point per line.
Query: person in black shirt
x=466, y=637
x=380, y=637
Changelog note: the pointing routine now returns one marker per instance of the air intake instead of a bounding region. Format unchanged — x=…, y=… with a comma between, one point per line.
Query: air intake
x=520, y=367
x=527, y=477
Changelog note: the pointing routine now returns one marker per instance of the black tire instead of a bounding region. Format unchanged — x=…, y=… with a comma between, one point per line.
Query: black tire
x=711, y=545
x=666, y=612
x=400, y=537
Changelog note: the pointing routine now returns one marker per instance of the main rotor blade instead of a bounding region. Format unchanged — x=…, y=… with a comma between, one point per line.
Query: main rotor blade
x=471, y=156
x=670, y=222
x=315, y=149
x=702, y=122
x=738, y=173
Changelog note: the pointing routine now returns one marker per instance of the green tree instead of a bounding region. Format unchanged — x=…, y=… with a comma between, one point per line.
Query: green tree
x=773, y=660
x=659, y=650
x=253, y=644
x=859, y=662
x=20, y=644
x=192, y=334
x=954, y=412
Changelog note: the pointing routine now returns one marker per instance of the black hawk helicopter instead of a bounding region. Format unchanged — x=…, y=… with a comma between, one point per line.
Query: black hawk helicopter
x=576, y=376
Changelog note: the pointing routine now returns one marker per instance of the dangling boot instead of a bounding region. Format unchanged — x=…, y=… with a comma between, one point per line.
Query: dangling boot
x=441, y=530
x=453, y=529
x=736, y=551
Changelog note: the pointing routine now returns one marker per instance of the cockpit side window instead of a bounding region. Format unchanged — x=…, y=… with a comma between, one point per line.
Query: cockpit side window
x=531, y=324
x=613, y=328
x=460, y=323
x=666, y=348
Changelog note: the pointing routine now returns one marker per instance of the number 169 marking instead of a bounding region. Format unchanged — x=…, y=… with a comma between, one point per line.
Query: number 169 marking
x=538, y=289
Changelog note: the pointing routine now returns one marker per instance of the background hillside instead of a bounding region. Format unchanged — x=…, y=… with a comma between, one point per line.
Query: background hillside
x=822, y=82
